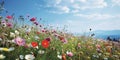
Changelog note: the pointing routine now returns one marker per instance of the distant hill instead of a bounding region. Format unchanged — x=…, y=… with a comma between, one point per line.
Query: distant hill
x=105, y=33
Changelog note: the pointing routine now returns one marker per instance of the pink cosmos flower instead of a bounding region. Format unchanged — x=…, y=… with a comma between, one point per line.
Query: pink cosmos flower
x=9, y=25
x=43, y=30
x=19, y=41
x=98, y=46
x=70, y=54
x=64, y=41
x=33, y=19
x=9, y=17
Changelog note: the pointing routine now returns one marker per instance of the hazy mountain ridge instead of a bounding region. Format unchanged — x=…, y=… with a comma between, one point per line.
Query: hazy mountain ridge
x=105, y=33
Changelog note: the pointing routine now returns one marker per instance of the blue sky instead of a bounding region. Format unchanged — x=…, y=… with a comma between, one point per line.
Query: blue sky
x=78, y=15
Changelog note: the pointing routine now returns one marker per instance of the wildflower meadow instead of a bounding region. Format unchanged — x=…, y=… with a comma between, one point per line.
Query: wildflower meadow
x=28, y=38
x=36, y=42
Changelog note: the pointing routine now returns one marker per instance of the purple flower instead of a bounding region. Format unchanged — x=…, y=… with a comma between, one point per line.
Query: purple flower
x=48, y=39
x=36, y=23
x=64, y=41
x=19, y=41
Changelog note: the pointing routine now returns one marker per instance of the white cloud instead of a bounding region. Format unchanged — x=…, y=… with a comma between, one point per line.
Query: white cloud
x=75, y=11
x=116, y=2
x=91, y=4
x=65, y=9
x=58, y=1
x=83, y=1
x=97, y=16
x=69, y=6
x=78, y=26
x=72, y=1
x=108, y=25
x=100, y=3
x=60, y=10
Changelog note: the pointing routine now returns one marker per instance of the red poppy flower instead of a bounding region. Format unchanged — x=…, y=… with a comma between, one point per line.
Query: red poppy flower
x=34, y=44
x=9, y=17
x=33, y=19
x=45, y=43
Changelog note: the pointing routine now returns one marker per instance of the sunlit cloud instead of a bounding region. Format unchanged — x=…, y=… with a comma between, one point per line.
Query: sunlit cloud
x=70, y=6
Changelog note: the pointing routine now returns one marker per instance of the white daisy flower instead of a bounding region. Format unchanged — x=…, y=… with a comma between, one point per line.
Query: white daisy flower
x=4, y=24
x=2, y=56
x=16, y=32
x=0, y=39
x=21, y=57
x=12, y=34
x=41, y=51
x=105, y=58
x=29, y=57
x=59, y=56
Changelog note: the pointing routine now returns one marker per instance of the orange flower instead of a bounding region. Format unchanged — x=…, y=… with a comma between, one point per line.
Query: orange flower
x=63, y=56
x=98, y=46
x=38, y=32
x=61, y=38
x=79, y=45
x=108, y=49
x=106, y=44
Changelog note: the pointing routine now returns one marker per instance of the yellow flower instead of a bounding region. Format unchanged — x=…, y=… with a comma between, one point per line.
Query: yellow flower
x=88, y=58
x=81, y=52
x=5, y=49
x=107, y=54
x=72, y=38
x=118, y=53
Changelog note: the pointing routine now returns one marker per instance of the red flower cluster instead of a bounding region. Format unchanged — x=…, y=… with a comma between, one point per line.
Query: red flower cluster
x=34, y=44
x=45, y=43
